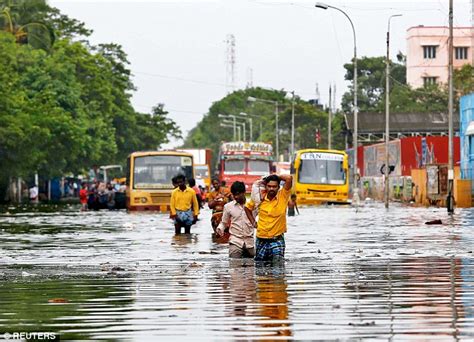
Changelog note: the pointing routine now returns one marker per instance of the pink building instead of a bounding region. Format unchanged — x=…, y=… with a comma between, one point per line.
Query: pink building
x=427, y=53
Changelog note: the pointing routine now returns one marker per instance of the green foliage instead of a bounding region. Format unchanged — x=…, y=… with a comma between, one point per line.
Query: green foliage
x=209, y=134
x=68, y=108
x=403, y=98
x=25, y=19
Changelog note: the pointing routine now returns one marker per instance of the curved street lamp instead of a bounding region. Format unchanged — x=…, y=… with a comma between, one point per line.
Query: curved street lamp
x=387, y=111
x=355, y=196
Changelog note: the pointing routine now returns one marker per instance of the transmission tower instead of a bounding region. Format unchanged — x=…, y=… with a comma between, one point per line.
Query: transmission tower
x=230, y=63
x=249, y=78
x=317, y=98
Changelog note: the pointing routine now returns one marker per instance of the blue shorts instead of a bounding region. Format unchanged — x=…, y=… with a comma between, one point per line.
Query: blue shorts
x=270, y=249
x=184, y=218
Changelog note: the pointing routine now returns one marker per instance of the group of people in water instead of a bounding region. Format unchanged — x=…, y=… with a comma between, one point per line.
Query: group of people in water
x=255, y=227
x=99, y=195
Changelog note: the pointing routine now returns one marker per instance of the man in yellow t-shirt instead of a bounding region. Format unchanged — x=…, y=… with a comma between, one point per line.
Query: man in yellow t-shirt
x=184, y=207
x=271, y=226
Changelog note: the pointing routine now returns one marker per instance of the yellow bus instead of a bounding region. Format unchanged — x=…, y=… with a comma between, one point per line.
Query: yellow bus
x=320, y=176
x=149, y=178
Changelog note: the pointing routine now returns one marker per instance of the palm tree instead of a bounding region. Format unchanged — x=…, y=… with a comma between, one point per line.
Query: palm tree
x=24, y=19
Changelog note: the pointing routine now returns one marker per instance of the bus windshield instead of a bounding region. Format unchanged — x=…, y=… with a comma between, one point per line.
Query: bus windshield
x=258, y=167
x=201, y=171
x=233, y=166
x=156, y=171
x=321, y=171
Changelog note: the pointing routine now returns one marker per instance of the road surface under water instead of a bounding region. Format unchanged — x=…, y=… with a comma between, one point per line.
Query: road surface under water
x=348, y=275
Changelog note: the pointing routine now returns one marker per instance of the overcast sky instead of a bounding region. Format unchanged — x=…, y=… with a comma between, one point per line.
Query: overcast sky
x=177, y=48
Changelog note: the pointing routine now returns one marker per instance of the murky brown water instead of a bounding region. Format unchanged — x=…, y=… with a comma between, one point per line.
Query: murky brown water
x=114, y=275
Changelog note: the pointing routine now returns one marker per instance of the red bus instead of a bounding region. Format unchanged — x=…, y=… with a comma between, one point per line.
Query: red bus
x=245, y=162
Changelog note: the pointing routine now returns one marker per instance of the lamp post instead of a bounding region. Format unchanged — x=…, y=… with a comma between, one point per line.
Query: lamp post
x=450, y=199
x=228, y=126
x=387, y=112
x=355, y=196
x=292, y=125
x=238, y=125
x=223, y=116
x=250, y=124
x=277, y=138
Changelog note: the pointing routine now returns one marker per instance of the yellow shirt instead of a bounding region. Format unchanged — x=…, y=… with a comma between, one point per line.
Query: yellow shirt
x=272, y=214
x=184, y=200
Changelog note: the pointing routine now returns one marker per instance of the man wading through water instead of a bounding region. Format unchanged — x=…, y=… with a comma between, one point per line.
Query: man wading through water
x=184, y=207
x=234, y=217
x=271, y=226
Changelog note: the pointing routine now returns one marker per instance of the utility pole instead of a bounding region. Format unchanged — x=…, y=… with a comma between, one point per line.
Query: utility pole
x=292, y=125
x=230, y=63
x=387, y=113
x=277, y=134
x=450, y=199
x=329, y=117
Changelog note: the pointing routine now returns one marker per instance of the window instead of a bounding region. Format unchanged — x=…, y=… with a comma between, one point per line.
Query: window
x=314, y=171
x=429, y=52
x=460, y=52
x=234, y=167
x=151, y=172
x=429, y=80
x=258, y=167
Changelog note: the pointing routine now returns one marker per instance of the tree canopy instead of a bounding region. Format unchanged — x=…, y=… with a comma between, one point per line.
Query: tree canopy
x=403, y=98
x=209, y=133
x=67, y=107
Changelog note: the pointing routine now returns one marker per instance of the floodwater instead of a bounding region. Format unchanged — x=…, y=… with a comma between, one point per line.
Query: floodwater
x=370, y=274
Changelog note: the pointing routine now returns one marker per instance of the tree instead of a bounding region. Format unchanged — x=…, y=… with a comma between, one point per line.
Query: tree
x=403, y=98
x=209, y=134
x=67, y=109
x=371, y=82
x=25, y=20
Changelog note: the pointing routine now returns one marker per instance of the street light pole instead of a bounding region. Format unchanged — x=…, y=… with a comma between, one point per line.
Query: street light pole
x=387, y=113
x=224, y=116
x=355, y=196
x=330, y=119
x=292, y=125
x=250, y=124
x=277, y=138
x=450, y=199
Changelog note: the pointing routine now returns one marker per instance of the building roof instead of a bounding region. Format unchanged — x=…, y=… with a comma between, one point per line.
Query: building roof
x=404, y=123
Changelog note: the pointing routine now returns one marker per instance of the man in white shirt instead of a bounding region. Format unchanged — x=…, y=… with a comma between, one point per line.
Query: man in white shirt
x=241, y=241
x=33, y=193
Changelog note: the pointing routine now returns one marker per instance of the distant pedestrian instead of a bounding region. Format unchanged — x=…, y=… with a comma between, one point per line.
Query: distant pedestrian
x=83, y=197
x=271, y=226
x=33, y=193
x=217, y=198
x=192, y=185
x=292, y=206
x=241, y=229
x=184, y=207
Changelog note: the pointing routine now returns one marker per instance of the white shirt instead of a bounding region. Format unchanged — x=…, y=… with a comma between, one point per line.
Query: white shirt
x=240, y=229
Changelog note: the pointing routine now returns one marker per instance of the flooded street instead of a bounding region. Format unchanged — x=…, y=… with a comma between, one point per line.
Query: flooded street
x=348, y=275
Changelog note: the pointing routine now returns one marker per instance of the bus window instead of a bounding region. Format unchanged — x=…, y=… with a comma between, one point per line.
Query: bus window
x=233, y=166
x=258, y=167
x=314, y=171
x=157, y=171
x=201, y=171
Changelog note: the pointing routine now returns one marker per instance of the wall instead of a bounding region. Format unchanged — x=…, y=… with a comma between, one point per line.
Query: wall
x=467, y=142
x=418, y=66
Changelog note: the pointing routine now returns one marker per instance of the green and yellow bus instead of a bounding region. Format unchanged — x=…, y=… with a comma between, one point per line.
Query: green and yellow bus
x=320, y=176
x=149, y=177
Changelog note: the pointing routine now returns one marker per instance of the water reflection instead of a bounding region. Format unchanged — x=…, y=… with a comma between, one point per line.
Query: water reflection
x=76, y=308
x=367, y=275
x=272, y=297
